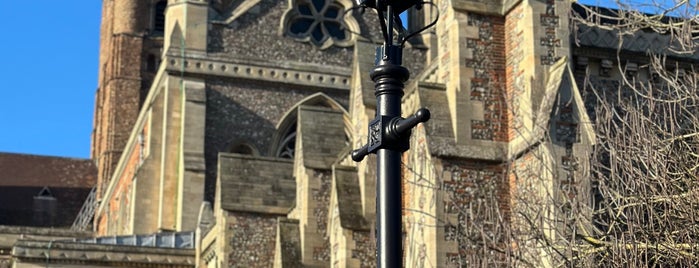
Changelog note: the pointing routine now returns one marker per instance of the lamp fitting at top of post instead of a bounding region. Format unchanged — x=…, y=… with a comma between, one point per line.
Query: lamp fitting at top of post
x=398, y=5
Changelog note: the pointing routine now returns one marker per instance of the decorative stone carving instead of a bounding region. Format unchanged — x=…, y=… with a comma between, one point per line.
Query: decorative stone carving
x=550, y=41
x=288, y=145
x=303, y=75
x=320, y=22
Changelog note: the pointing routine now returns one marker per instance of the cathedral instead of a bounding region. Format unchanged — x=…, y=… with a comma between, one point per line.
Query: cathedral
x=223, y=132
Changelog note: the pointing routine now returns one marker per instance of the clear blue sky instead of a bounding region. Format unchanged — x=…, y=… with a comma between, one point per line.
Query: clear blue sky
x=49, y=71
x=48, y=74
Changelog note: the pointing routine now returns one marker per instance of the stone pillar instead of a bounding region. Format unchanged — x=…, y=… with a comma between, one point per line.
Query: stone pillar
x=147, y=186
x=191, y=16
x=170, y=166
x=191, y=155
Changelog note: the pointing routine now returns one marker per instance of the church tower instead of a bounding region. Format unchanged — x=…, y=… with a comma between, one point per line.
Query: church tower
x=130, y=46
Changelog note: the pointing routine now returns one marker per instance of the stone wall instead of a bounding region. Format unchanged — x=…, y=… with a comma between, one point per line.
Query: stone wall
x=487, y=84
x=259, y=28
x=250, y=239
x=248, y=112
x=120, y=205
x=477, y=205
x=321, y=196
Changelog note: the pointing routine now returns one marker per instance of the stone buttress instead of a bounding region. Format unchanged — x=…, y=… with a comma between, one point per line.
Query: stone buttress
x=500, y=76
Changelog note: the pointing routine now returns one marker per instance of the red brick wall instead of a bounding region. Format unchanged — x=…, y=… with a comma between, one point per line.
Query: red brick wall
x=119, y=202
x=488, y=82
x=120, y=86
x=514, y=73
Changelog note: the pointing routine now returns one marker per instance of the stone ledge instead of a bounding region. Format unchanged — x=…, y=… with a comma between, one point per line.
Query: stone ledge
x=255, y=184
x=71, y=252
x=296, y=74
x=500, y=7
x=25, y=230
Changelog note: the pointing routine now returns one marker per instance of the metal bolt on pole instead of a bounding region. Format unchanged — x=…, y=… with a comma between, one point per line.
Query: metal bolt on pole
x=389, y=133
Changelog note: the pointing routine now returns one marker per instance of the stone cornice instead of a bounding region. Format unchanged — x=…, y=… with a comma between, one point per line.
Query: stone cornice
x=281, y=72
x=27, y=230
x=495, y=7
x=81, y=253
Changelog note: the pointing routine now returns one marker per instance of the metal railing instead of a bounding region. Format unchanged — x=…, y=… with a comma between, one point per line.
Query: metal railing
x=84, y=219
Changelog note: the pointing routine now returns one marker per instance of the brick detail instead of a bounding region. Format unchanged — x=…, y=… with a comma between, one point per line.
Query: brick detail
x=478, y=197
x=120, y=203
x=123, y=83
x=488, y=63
x=514, y=73
x=550, y=21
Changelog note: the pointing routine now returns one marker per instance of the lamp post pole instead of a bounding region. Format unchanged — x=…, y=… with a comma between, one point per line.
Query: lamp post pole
x=389, y=135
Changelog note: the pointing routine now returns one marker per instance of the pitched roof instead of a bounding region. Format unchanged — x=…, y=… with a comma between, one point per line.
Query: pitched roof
x=43, y=190
x=23, y=170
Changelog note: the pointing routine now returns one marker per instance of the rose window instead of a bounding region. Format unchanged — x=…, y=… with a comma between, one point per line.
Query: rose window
x=321, y=22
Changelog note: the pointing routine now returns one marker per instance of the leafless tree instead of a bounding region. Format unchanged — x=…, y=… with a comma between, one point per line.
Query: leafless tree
x=627, y=198
x=638, y=204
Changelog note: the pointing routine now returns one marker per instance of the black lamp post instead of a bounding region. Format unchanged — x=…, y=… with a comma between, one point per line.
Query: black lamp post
x=389, y=133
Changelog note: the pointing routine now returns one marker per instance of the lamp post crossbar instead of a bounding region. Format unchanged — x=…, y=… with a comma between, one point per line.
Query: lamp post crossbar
x=389, y=134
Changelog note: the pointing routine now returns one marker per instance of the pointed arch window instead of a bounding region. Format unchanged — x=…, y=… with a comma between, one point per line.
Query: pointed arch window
x=284, y=140
x=287, y=146
x=159, y=17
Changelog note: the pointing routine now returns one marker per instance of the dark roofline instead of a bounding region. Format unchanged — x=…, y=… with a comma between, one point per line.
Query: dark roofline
x=611, y=13
x=18, y=169
x=20, y=154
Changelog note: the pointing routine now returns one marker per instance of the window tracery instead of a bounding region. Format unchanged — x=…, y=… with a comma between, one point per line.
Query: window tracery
x=159, y=17
x=320, y=22
x=288, y=145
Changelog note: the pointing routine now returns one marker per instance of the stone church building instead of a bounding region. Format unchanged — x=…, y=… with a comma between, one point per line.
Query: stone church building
x=223, y=131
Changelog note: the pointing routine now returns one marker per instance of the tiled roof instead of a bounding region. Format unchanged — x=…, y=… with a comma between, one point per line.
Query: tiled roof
x=66, y=182
x=22, y=170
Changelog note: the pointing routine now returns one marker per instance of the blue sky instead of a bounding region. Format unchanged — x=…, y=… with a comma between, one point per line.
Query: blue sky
x=49, y=75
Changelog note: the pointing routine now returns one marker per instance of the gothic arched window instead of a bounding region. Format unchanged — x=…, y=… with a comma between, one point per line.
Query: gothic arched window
x=287, y=146
x=159, y=17
x=284, y=140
